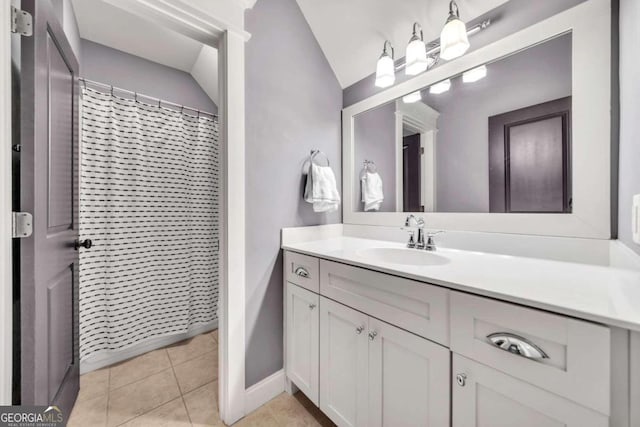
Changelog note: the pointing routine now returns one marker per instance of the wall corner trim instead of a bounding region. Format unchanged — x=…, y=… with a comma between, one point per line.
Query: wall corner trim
x=262, y=392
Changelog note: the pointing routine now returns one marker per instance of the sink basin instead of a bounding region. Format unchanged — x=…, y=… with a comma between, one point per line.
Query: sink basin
x=402, y=256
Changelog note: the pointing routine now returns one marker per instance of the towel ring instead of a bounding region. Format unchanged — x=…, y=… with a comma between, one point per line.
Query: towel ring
x=368, y=166
x=312, y=158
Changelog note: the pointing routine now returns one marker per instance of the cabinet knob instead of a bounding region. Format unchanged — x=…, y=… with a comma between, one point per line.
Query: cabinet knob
x=372, y=335
x=461, y=379
x=359, y=329
x=312, y=306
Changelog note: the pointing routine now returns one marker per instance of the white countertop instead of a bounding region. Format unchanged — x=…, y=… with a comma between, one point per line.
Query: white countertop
x=602, y=294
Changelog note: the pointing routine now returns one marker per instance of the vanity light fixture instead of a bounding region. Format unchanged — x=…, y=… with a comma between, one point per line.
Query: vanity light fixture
x=454, y=41
x=416, y=57
x=440, y=87
x=475, y=74
x=386, y=69
x=412, y=97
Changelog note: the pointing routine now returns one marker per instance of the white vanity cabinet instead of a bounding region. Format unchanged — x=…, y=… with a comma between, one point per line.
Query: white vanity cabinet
x=374, y=374
x=486, y=397
x=302, y=338
x=373, y=349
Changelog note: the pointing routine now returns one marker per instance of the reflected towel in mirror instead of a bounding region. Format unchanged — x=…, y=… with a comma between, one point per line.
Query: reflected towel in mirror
x=372, y=195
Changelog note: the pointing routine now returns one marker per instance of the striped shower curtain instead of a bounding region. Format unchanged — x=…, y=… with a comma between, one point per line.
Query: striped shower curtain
x=150, y=204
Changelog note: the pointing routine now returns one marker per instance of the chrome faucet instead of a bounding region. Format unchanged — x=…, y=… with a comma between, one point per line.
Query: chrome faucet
x=419, y=225
x=430, y=244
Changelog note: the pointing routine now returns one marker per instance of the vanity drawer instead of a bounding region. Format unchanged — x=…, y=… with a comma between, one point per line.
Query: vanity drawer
x=416, y=307
x=303, y=270
x=577, y=362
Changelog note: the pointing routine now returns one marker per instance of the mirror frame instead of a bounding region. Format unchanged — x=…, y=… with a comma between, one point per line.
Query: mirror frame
x=590, y=25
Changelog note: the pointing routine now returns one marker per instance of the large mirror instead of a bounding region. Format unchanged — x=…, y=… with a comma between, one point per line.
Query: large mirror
x=493, y=139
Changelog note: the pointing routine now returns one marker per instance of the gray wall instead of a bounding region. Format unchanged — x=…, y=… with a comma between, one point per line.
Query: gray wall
x=293, y=105
x=375, y=140
x=506, y=19
x=539, y=74
x=106, y=65
x=629, y=171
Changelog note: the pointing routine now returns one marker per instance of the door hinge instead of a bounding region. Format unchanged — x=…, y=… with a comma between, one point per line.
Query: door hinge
x=21, y=22
x=22, y=225
x=422, y=150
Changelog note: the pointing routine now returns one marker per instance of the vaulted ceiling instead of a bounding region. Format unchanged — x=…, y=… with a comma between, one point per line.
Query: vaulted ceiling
x=111, y=26
x=351, y=32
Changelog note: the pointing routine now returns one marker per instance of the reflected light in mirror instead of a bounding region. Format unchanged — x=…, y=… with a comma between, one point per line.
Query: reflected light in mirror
x=412, y=97
x=441, y=87
x=475, y=74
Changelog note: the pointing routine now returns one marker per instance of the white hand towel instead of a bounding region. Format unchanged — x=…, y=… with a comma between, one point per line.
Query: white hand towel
x=372, y=195
x=324, y=193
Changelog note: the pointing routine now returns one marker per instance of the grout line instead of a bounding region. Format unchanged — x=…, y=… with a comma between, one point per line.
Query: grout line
x=155, y=407
x=142, y=378
x=108, y=397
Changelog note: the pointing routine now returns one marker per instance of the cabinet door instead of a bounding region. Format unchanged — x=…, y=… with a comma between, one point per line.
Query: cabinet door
x=303, y=328
x=409, y=379
x=343, y=364
x=485, y=397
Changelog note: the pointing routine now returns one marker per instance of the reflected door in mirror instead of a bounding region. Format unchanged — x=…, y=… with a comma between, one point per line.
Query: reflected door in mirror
x=529, y=152
x=412, y=173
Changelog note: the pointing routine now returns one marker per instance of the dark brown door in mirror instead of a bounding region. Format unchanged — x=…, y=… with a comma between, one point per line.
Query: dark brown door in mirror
x=412, y=173
x=48, y=261
x=529, y=159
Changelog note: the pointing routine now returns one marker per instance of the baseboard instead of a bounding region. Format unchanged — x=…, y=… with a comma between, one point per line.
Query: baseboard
x=109, y=358
x=262, y=392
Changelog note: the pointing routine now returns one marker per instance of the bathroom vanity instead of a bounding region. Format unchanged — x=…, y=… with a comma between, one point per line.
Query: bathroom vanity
x=378, y=334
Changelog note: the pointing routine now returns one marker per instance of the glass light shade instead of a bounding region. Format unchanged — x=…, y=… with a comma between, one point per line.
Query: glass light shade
x=416, y=57
x=454, y=41
x=385, y=71
x=441, y=87
x=475, y=74
x=412, y=97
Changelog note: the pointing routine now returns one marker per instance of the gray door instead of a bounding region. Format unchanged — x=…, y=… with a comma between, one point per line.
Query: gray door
x=48, y=188
x=529, y=159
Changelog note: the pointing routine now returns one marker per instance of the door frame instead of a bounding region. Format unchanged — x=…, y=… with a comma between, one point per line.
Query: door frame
x=6, y=280
x=422, y=119
x=219, y=23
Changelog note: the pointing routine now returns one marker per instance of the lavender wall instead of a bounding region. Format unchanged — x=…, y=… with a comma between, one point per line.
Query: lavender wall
x=293, y=105
x=111, y=66
x=629, y=172
x=375, y=140
x=506, y=19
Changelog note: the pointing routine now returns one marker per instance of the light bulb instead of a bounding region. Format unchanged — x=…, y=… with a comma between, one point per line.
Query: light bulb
x=454, y=41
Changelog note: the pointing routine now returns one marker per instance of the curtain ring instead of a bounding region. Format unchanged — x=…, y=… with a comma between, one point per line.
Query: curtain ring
x=111, y=90
x=135, y=96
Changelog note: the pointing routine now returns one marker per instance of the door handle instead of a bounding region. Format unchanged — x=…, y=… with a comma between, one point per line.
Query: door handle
x=372, y=335
x=86, y=243
x=517, y=345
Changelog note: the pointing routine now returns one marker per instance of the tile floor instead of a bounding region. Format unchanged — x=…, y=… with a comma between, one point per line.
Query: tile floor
x=174, y=387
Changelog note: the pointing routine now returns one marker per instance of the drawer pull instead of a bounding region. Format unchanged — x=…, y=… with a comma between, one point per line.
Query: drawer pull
x=312, y=306
x=372, y=335
x=517, y=345
x=302, y=272
x=359, y=329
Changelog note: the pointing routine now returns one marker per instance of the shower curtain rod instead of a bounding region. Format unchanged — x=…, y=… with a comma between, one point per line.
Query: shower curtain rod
x=136, y=94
